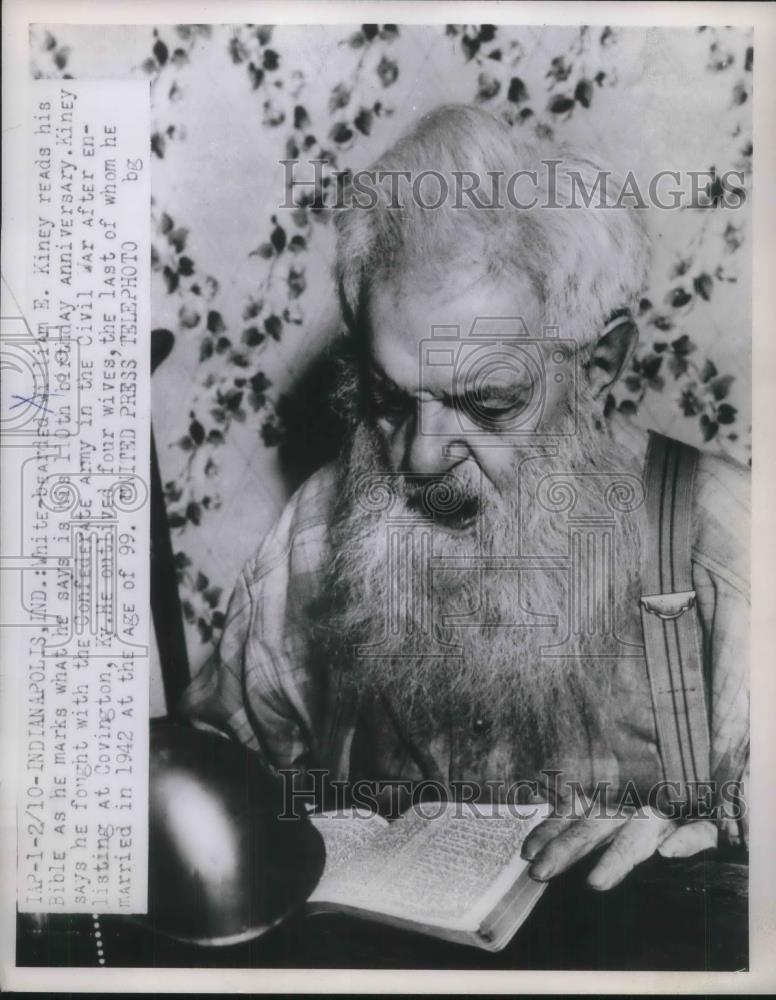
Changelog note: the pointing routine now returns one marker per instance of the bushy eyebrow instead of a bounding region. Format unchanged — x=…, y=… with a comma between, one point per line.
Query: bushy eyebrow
x=378, y=374
x=496, y=392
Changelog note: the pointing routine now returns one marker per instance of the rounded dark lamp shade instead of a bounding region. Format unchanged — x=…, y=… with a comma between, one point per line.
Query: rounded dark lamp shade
x=223, y=866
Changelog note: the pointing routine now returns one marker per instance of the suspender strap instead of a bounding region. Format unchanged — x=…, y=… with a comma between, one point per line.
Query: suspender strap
x=668, y=615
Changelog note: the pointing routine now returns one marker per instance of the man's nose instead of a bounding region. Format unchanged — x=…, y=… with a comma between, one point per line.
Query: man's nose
x=436, y=441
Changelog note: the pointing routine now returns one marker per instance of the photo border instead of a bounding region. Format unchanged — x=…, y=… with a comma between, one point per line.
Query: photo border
x=761, y=977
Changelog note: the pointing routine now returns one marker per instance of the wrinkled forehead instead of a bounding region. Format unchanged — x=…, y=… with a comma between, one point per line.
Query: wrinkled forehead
x=414, y=324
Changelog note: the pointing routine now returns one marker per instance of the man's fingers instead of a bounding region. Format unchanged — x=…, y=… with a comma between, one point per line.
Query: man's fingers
x=689, y=839
x=578, y=839
x=542, y=834
x=636, y=841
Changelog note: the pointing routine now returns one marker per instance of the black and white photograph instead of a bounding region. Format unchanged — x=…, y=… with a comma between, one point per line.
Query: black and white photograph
x=378, y=443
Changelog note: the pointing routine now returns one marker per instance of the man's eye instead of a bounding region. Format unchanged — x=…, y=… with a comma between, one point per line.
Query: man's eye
x=495, y=409
x=391, y=406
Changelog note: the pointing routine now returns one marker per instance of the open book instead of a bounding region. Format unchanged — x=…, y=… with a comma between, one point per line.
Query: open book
x=452, y=871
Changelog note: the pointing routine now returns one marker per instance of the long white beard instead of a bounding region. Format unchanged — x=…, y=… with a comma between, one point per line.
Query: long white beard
x=391, y=609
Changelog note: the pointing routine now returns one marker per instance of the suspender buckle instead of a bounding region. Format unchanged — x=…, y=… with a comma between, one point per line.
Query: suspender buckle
x=668, y=607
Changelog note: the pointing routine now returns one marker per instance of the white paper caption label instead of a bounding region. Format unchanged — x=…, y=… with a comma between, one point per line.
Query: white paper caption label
x=76, y=438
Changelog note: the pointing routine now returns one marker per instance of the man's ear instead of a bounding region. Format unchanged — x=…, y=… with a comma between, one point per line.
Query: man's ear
x=612, y=353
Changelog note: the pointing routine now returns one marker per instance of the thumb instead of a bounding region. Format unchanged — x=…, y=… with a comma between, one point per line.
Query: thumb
x=689, y=839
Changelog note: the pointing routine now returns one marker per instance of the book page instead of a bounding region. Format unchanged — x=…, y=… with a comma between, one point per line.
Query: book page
x=446, y=867
x=344, y=836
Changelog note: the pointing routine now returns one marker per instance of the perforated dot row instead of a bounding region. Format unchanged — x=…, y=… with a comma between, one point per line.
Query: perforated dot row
x=98, y=939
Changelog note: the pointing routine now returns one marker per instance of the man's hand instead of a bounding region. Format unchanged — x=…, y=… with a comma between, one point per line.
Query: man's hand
x=558, y=842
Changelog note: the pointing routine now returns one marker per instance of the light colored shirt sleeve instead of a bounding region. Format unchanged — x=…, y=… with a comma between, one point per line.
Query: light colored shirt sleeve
x=257, y=686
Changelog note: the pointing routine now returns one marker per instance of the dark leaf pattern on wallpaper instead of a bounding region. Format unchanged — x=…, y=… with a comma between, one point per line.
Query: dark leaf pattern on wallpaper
x=388, y=71
x=583, y=93
x=518, y=91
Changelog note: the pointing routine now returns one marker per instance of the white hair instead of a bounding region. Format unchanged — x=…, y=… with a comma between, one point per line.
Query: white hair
x=584, y=263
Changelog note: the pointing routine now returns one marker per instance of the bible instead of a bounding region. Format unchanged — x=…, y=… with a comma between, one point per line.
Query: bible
x=451, y=870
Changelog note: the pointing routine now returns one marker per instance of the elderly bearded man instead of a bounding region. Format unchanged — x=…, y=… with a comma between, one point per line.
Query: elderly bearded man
x=458, y=598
